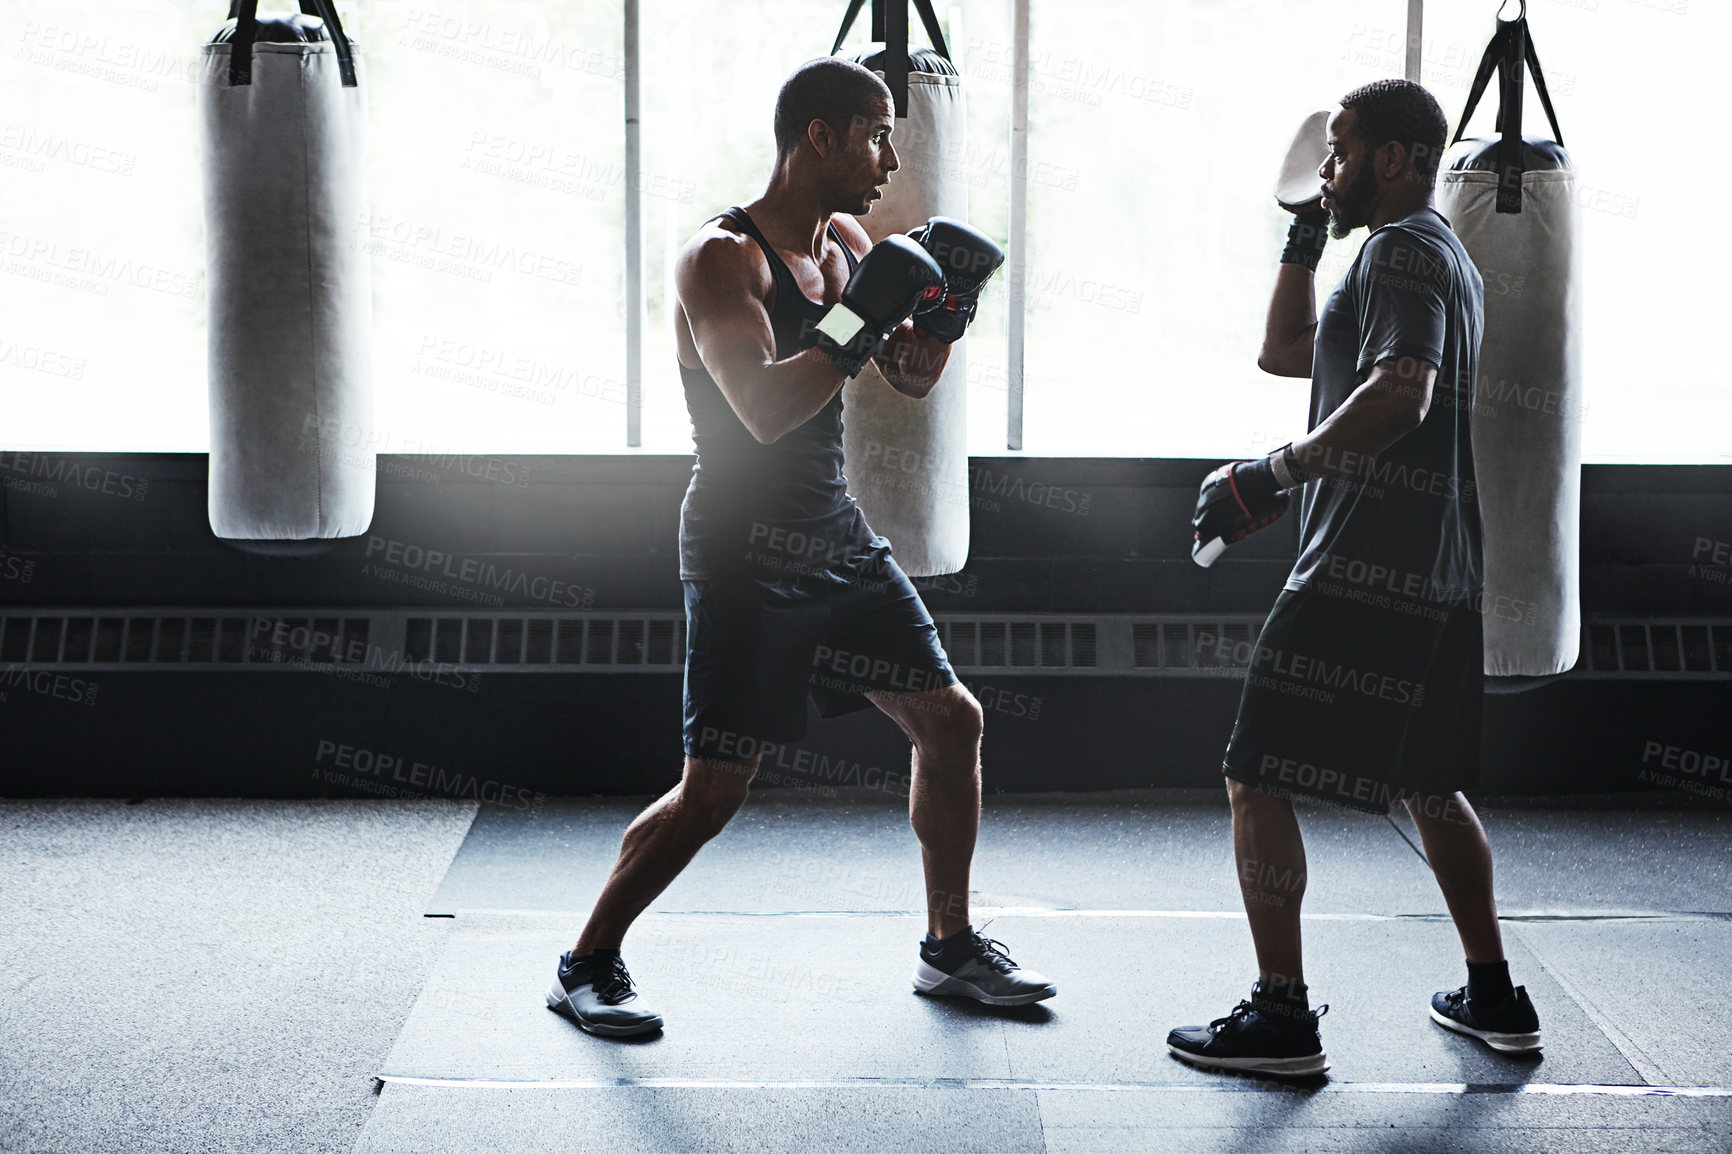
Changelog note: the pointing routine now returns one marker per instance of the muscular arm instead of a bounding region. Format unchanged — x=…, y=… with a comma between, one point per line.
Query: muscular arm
x=912, y=364
x=1391, y=403
x=721, y=290
x=1291, y=324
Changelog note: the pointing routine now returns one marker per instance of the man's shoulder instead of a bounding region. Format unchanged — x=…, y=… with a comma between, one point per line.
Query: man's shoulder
x=719, y=245
x=720, y=233
x=1420, y=245
x=853, y=232
x=1423, y=229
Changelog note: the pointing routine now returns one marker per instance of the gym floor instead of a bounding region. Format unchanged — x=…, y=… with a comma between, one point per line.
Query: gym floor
x=367, y=976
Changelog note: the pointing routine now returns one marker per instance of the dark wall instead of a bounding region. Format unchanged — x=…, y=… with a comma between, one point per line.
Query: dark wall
x=1049, y=535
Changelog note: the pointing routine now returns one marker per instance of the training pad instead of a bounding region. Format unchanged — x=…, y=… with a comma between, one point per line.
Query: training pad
x=792, y=849
x=906, y=459
x=290, y=298
x=1527, y=405
x=830, y=998
x=1299, y=183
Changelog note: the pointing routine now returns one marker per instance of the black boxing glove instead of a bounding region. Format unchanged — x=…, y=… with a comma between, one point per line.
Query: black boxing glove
x=1306, y=237
x=1237, y=500
x=887, y=283
x=969, y=258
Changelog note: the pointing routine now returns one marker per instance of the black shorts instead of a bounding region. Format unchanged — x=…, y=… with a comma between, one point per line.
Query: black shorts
x=1361, y=705
x=757, y=649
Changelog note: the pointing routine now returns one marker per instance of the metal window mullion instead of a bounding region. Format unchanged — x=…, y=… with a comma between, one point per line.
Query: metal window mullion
x=1415, y=31
x=1017, y=312
x=633, y=235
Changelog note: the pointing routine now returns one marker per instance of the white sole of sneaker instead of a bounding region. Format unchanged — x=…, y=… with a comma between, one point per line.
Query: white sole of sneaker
x=561, y=1005
x=1503, y=1043
x=931, y=980
x=1290, y=1067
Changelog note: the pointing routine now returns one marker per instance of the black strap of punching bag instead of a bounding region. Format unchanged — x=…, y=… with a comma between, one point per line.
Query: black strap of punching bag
x=1540, y=87
x=245, y=14
x=308, y=8
x=927, y=18
x=890, y=25
x=1509, y=50
x=895, y=36
x=1512, y=84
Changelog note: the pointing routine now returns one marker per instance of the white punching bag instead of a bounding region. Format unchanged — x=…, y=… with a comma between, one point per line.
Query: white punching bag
x=1512, y=202
x=282, y=117
x=907, y=460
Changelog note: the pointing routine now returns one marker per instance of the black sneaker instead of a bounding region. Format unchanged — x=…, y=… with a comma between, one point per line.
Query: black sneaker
x=978, y=968
x=596, y=993
x=1260, y=1036
x=1510, y=1028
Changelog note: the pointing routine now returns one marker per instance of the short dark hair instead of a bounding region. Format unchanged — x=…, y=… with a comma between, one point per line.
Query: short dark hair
x=1404, y=112
x=828, y=89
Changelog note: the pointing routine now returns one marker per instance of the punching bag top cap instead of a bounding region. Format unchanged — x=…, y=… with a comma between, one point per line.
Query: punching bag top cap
x=294, y=28
x=1539, y=154
x=919, y=60
x=244, y=29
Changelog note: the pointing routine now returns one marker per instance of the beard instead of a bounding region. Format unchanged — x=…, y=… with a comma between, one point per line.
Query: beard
x=1353, y=204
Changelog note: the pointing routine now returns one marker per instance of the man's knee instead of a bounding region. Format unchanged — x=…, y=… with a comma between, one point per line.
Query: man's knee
x=713, y=791
x=958, y=723
x=1450, y=809
x=1246, y=799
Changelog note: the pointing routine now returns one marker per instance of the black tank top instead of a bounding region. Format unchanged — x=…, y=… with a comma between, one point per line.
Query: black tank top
x=779, y=510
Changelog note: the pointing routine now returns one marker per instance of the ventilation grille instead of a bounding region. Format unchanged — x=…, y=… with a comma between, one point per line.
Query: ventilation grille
x=381, y=640
x=583, y=641
x=185, y=639
x=1007, y=643
x=385, y=640
x=1656, y=649
x=1202, y=646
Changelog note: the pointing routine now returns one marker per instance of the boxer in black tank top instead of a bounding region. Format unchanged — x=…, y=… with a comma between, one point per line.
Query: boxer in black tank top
x=790, y=596
x=745, y=495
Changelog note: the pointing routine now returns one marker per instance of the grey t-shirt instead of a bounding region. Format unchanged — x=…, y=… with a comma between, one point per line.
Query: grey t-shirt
x=1405, y=523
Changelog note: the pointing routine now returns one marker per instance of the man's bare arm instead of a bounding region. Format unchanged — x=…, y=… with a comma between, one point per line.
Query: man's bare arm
x=912, y=364
x=721, y=290
x=1391, y=403
x=1291, y=324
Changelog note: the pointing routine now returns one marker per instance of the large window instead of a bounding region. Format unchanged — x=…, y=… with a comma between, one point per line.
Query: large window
x=1639, y=91
x=709, y=90
x=498, y=193
x=496, y=189
x=1155, y=132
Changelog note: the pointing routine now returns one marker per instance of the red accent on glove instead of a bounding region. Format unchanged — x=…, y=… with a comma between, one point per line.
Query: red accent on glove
x=1234, y=486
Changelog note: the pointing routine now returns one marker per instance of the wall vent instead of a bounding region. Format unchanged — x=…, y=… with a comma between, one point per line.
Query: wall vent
x=1057, y=644
x=1646, y=648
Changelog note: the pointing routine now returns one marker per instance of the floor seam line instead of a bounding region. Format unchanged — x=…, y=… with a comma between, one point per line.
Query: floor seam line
x=1390, y=818
x=1645, y=1067
x=1237, y=1085
x=1516, y=917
